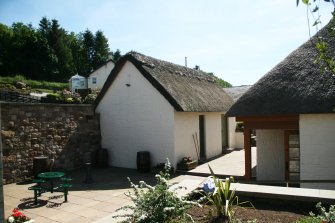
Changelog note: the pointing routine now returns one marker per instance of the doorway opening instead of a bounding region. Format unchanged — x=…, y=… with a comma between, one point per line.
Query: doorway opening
x=202, y=137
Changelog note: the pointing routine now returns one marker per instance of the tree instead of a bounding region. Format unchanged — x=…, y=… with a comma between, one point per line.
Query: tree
x=50, y=52
x=326, y=58
x=59, y=43
x=116, y=55
x=6, y=35
x=44, y=27
x=220, y=81
x=88, y=51
x=101, y=50
x=75, y=44
x=29, y=52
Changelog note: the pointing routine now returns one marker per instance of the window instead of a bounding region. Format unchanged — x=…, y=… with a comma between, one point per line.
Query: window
x=94, y=80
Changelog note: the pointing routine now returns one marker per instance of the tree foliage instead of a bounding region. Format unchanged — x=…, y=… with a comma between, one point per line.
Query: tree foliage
x=49, y=52
x=326, y=58
x=220, y=81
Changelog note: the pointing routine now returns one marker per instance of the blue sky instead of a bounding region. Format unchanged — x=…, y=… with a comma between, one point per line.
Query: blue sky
x=239, y=41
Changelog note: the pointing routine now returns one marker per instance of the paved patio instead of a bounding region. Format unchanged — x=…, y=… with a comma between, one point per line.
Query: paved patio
x=97, y=202
x=231, y=164
x=94, y=202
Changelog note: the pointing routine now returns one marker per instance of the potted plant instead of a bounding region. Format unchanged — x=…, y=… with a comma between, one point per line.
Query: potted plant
x=18, y=217
x=187, y=163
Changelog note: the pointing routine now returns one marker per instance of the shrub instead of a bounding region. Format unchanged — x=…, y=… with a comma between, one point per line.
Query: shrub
x=324, y=216
x=157, y=204
x=53, y=96
x=89, y=99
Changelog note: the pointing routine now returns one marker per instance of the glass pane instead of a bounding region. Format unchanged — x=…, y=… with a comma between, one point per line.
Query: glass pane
x=294, y=153
x=293, y=140
x=294, y=176
x=294, y=166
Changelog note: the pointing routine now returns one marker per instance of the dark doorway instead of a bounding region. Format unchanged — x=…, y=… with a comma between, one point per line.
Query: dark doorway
x=202, y=136
x=224, y=132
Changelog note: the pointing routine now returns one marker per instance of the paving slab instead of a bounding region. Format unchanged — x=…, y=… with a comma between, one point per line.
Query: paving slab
x=231, y=164
x=285, y=193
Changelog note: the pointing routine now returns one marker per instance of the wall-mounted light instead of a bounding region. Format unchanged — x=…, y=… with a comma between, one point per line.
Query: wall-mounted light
x=128, y=84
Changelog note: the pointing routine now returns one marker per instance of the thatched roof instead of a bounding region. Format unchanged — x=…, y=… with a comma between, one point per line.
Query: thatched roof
x=186, y=89
x=295, y=86
x=236, y=92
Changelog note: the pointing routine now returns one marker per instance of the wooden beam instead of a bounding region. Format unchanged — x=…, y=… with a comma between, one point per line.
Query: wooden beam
x=247, y=154
x=272, y=125
x=268, y=118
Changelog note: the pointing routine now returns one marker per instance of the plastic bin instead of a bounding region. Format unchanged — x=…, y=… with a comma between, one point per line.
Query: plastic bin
x=40, y=165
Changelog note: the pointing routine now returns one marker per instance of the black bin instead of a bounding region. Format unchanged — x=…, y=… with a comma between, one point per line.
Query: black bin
x=40, y=165
x=101, y=158
x=143, y=161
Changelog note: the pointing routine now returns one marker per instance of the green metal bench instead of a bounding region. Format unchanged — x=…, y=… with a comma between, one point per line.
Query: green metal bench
x=39, y=184
x=66, y=179
x=37, y=191
x=65, y=188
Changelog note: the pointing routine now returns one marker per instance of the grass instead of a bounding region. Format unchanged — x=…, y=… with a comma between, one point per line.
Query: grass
x=33, y=84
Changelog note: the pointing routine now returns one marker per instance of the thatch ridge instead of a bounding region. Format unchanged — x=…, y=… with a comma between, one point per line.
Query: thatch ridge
x=294, y=86
x=236, y=92
x=186, y=89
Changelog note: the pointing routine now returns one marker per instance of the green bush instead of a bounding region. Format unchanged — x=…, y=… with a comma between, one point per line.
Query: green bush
x=323, y=215
x=157, y=204
x=89, y=99
x=53, y=96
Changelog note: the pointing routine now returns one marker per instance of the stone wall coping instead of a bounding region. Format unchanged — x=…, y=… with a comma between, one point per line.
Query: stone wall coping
x=46, y=104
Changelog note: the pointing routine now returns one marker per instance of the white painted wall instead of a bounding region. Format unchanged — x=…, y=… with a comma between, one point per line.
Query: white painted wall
x=213, y=134
x=136, y=118
x=317, y=149
x=235, y=139
x=101, y=75
x=186, y=124
x=270, y=155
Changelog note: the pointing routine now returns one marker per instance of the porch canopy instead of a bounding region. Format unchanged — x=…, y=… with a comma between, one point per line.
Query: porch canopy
x=287, y=122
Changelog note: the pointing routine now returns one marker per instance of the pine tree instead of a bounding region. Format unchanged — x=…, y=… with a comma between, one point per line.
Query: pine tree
x=58, y=41
x=88, y=51
x=116, y=55
x=101, y=50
